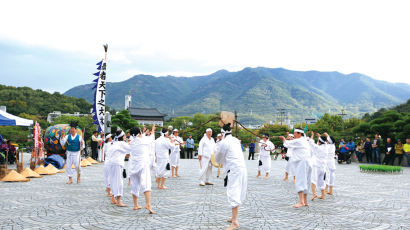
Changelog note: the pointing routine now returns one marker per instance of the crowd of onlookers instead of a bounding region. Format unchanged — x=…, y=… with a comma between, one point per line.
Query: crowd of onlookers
x=7, y=150
x=372, y=151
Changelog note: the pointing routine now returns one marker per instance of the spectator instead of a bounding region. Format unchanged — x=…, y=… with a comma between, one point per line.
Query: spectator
x=368, y=150
x=95, y=141
x=12, y=152
x=342, y=142
x=351, y=146
x=251, y=150
x=344, y=153
x=389, y=157
x=406, y=149
x=376, y=149
x=3, y=151
x=190, y=146
x=360, y=151
x=398, y=150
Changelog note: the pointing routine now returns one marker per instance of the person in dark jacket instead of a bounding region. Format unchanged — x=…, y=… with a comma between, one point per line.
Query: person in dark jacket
x=389, y=150
x=368, y=150
x=251, y=150
x=376, y=149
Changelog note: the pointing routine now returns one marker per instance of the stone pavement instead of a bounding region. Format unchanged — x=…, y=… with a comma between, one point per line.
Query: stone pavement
x=361, y=201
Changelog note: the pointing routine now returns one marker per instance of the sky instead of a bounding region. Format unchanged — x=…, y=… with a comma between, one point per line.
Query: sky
x=54, y=45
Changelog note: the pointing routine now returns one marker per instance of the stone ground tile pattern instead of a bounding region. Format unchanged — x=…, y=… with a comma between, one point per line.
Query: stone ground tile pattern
x=361, y=201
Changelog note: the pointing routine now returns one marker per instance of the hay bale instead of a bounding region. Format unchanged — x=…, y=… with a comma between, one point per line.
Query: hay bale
x=51, y=169
x=28, y=173
x=41, y=170
x=92, y=161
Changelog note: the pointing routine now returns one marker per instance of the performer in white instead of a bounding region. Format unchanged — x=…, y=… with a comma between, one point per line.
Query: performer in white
x=266, y=147
x=176, y=153
x=139, y=168
x=118, y=149
x=229, y=153
x=331, y=165
x=107, y=183
x=300, y=162
x=218, y=139
x=162, y=146
x=319, y=151
x=205, y=150
x=288, y=169
x=75, y=143
x=152, y=158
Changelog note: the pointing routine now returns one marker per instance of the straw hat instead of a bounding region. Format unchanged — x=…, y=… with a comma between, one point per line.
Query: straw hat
x=92, y=161
x=41, y=170
x=14, y=176
x=28, y=173
x=85, y=163
x=51, y=169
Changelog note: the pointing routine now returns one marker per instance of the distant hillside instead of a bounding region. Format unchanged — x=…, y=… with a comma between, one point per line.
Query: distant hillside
x=37, y=102
x=258, y=94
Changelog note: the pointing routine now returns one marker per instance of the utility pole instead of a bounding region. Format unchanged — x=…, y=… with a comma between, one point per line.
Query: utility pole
x=236, y=123
x=282, y=115
x=342, y=115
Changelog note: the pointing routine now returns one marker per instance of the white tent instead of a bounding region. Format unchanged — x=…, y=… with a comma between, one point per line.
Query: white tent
x=9, y=119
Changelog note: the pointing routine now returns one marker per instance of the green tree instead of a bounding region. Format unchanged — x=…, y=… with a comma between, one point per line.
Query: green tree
x=123, y=120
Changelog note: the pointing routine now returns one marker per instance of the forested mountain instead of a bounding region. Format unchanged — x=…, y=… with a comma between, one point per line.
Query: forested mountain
x=258, y=94
x=37, y=102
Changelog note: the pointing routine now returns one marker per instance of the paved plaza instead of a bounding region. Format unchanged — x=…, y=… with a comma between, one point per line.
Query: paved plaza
x=361, y=201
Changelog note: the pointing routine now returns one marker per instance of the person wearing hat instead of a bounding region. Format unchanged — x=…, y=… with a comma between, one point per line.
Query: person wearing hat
x=205, y=150
x=300, y=162
x=175, y=156
x=117, y=151
x=74, y=143
x=139, y=167
x=319, y=154
x=163, y=145
x=229, y=153
x=330, y=164
x=108, y=140
x=266, y=146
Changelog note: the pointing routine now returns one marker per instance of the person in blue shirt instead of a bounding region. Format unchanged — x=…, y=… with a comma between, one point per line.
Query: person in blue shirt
x=351, y=146
x=190, y=146
x=251, y=150
x=343, y=152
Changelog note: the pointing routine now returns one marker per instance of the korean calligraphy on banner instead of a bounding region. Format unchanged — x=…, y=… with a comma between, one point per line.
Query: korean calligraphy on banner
x=100, y=92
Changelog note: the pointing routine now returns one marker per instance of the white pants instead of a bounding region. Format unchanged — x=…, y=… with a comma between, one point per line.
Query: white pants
x=205, y=171
x=100, y=155
x=318, y=174
x=73, y=158
x=140, y=181
x=303, y=173
x=330, y=172
x=107, y=175
x=161, y=170
x=116, y=180
x=266, y=164
x=152, y=163
x=174, y=158
x=237, y=186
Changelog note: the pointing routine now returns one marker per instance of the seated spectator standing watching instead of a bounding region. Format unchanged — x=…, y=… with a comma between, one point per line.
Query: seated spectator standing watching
x=251, y=150
x=398, y=150
x=189, y=146
x=351, y=146
x=344, y=154
x=368, y=150
x=376, y=149
x=389, y=150
x=360, y=151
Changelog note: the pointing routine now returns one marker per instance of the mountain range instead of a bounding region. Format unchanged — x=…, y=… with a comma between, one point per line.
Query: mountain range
x=258, y=94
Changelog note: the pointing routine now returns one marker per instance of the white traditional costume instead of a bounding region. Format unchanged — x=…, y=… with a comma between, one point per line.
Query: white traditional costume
x=117, y=151
x=318, y=163
x=205, y=149
x=229, y=153
x=264, y=155
x=175, y=156
x=74, y=145
x=107, y=162
x=139, y=164
x=162, y=147
x=330, y=163
x=300, y=163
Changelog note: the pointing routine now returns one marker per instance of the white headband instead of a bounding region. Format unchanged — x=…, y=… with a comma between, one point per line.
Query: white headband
x=108, y=137
x=329, y=140
x=299, y=131
x=121, y=135
x=322, y=141
x=208, y=130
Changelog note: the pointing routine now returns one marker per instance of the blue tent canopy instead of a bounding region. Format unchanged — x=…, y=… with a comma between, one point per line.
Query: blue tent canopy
x=4, y=121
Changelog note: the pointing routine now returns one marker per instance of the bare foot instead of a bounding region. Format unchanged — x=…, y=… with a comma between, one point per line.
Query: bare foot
x=113, y=200
x=266, y=177
x=234, y=225
x=322, y=197
x=137, y=207
x=229, y=220
x=285, y=178
x=209, y=183
x=306, y=204
x=163, y=187
x=298, y=205
x=148, y=207
x=78, y=180
x=201, y=184
x=174, y=176
x=69, y=182
x=121, y=205
x=313, y=197
x=330, y=193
